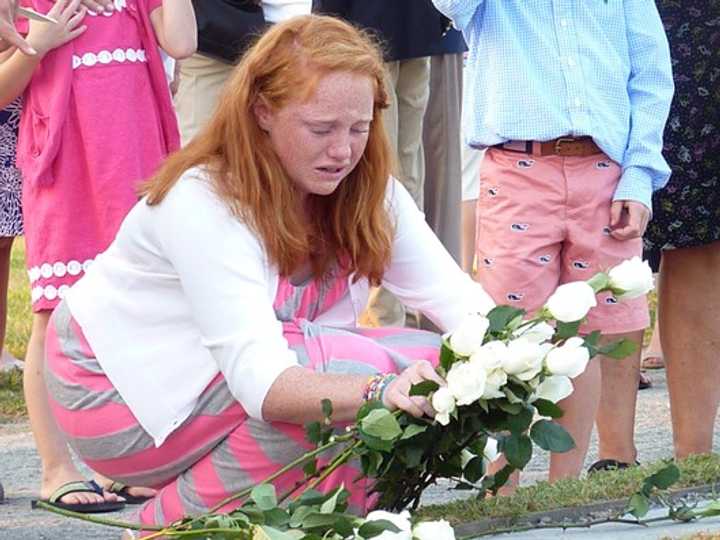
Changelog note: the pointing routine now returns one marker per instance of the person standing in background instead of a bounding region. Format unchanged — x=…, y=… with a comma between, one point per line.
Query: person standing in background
x=202, y=76
x=570, y=98
x=684, y=234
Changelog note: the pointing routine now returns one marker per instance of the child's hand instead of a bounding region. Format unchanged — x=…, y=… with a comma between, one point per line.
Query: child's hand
x=44, y=36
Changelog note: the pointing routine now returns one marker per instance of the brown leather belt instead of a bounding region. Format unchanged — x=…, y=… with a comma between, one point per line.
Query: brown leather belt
x=562, y=146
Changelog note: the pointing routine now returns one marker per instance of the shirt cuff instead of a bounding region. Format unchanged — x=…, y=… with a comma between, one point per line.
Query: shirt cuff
x=253, y=389
x=635, y=185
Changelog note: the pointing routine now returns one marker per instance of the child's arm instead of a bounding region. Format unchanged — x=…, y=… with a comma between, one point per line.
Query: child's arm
x=175, y=28
x=16, y=72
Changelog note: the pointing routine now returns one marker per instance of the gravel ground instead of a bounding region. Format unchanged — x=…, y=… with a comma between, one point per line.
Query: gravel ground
x=20, y=470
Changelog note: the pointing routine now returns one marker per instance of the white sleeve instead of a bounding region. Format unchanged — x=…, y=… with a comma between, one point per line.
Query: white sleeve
x=422, y=274
x=222, y=270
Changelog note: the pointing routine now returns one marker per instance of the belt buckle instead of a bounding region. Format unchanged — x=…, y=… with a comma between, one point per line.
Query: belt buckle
x=559, y=142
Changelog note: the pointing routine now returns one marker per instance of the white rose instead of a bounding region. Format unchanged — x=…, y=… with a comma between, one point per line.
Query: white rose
x=494, y=380
x=554, y=388
x=466, y=381
x=537, y=333
x=524, y=359
x=433, y=530
x=631, y=279
x=491, y=453
x=468, y=338
x=490, y=355
x=444, y=404
x=570, y=359
x=572, y=301
x=401, y=521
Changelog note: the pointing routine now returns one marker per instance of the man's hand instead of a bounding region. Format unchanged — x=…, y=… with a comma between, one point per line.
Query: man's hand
x=8, y=35
x=628, y=219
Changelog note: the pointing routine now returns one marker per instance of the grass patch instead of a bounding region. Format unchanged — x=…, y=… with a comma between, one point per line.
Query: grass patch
x=543, y=496
x=19, y=317
x=12, y=403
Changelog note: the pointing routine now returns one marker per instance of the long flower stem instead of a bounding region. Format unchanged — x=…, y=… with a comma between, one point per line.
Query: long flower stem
x=588, y=524
x=337, y=462
x=299, y=461
x=98, y=520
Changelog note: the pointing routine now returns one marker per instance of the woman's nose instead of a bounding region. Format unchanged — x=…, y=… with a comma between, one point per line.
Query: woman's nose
x=340, y=150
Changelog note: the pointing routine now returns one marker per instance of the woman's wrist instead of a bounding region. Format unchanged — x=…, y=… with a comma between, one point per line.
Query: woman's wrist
x=376, y=385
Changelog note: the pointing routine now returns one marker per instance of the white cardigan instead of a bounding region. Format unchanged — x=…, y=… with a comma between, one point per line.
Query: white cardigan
x=186, y=292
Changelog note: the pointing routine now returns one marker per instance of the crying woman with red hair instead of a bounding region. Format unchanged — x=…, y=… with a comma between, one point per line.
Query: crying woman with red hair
x=192, y=352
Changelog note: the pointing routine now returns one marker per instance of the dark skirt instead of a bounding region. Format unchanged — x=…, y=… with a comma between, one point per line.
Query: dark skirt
x=686, y=213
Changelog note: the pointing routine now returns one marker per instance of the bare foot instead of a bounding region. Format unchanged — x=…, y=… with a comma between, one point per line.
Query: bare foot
x=133, y=491
x=53, y=480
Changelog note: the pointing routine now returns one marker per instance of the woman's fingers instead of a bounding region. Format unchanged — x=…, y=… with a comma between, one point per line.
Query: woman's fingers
x=70, y=10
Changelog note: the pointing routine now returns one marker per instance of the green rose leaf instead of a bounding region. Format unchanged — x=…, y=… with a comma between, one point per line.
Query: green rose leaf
x=299, y=516
x=639, y=505
x=551, y=436
x=276, y=517
x=566, y=330
x=371, y=529
x=412, y=430
x=328, y=507
x=327, y=408
x=548, y=408
x=318, y=519
x=665, y=477
x=619, y=349
x=501, y=316
x=424, y=388
x=518, y=450
x=382, y=424
x=263, y=495
x=274, y=534
x=313, y=432
x=474, y=470
x=447, y=356
x=519, y=423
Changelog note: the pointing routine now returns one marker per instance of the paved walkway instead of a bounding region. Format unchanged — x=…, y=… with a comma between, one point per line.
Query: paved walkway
x=19, y=472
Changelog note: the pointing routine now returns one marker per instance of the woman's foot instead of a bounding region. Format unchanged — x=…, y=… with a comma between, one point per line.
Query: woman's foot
x=52, y=481
x=131, y=494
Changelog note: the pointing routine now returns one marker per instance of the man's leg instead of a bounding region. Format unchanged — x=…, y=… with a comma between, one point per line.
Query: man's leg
x=408, y=87
x=616, y=414
x=201, y=81
x=441, y=142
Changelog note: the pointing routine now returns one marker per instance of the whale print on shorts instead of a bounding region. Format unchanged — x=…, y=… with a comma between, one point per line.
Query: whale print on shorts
x=519, y=227
x=493, y=191
x=581, y=265
x=525, y=163
x=488, y=262
x=515, y=297
x=545, y=259
x=603, y=165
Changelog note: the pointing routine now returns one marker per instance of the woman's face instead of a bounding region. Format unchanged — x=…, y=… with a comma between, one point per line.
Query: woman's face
x=320, y=141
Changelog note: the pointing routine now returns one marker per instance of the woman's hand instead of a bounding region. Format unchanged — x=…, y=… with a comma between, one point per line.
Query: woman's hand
x=45, y=36
x=397, y=394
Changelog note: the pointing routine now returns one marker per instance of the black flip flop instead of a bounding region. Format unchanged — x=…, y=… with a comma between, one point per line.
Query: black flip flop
x=609, y=465
x=121, y=490
x=80, y=486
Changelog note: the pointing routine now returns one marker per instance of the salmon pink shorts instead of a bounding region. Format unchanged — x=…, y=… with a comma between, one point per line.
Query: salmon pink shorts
x=544, y=221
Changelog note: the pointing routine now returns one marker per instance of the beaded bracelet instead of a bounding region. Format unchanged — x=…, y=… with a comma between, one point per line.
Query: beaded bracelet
x=376, y=386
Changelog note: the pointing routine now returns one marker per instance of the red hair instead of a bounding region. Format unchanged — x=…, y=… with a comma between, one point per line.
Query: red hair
x=351, y=224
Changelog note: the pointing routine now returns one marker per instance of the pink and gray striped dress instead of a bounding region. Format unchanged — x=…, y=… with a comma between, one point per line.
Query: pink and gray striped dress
x=218, y=450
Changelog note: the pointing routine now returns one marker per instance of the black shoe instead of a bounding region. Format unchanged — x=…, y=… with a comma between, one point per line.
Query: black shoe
x=610, y=465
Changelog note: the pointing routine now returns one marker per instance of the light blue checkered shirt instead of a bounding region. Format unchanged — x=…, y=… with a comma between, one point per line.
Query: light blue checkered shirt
x=542, y=69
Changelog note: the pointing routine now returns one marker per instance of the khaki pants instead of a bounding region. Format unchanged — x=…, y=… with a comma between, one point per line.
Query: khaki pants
x=201, y=81
x=408, y=83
